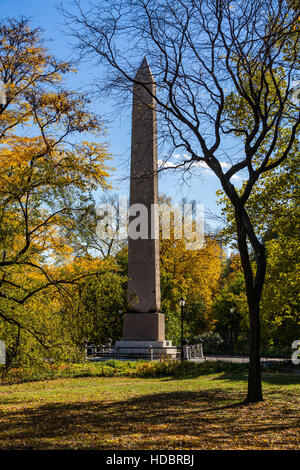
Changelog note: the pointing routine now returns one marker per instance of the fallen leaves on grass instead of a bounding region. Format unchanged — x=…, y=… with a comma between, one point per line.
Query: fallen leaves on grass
x=146, y=414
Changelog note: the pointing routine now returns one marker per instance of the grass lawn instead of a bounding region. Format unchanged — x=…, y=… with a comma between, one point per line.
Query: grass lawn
x=204, y=412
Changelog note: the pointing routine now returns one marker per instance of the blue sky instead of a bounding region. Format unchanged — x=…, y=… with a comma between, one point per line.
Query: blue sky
x=200, y=186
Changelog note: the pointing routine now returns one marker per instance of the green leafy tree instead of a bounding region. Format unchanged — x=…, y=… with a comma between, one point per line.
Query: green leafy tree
x=96, y=314
x=274, y=205
x=229, y=311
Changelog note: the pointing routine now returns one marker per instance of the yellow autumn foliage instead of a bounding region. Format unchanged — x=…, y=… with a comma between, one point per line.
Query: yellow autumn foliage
x=46, y=173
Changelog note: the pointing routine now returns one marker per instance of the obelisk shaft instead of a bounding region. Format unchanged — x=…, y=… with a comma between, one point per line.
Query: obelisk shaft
x=143, y=254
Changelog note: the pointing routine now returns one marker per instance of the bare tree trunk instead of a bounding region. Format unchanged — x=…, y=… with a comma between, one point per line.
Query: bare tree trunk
x=254, y=287
x=254, y=394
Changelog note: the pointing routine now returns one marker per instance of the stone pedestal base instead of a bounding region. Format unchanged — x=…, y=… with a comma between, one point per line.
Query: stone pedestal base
x=145, y=326
x=155, y=349
x=144, y=337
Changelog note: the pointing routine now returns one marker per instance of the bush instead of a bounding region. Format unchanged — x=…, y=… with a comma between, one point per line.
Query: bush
x=212, y=342
x=113, y=368
x=141, y=369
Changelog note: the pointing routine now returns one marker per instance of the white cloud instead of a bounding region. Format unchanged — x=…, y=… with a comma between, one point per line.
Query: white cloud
x=167, y=164
x=225, y=165
x=236, y=177
x=199, y=164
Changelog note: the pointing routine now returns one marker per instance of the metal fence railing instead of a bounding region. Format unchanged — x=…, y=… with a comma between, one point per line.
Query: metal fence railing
x=191, y=352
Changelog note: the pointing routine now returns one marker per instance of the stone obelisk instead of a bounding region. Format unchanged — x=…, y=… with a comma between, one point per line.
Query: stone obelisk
x=144, y=320
x=144, y=324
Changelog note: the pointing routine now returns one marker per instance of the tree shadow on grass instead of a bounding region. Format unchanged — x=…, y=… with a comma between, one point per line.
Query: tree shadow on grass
x=270, y=377
x=273, y=378
x=185, y=420
x=276, y=377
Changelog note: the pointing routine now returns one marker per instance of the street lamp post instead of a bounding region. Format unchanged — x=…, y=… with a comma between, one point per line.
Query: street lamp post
x=232, y=310
x=182, y=304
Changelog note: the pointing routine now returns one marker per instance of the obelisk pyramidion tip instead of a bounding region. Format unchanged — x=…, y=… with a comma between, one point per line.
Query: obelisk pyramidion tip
x=144, y=70
x=145, y=63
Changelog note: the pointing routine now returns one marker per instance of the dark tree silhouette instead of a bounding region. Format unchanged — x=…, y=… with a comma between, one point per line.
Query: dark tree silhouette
x=224, y=72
